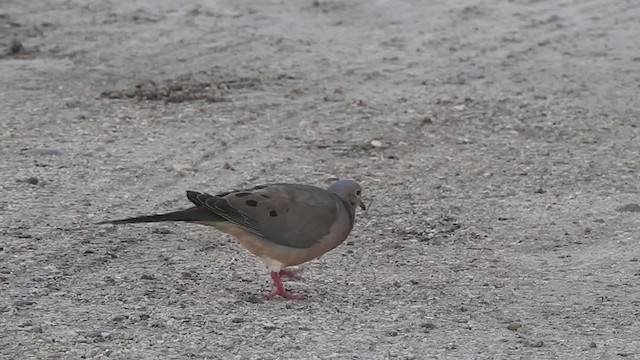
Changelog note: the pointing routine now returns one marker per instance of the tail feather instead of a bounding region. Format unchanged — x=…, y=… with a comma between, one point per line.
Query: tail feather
x=194, y=214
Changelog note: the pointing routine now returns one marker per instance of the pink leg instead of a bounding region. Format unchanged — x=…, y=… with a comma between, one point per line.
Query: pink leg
x=291, y=273
x=280, y=291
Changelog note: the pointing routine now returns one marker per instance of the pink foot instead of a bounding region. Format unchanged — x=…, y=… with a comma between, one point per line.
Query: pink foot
x=285, y=295
x=291, y=273
x=280, y=291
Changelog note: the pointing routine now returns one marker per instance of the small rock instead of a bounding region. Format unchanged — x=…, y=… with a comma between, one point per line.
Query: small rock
x=426, y=327
x=592, y=345
x=238, y=320
x=532, y=343
x=36, y=329
x=144, y=316
x=629, y=208
x=391, y=333
x=228, y=166
x=98, y=335
x=514, y=326
x=32, y=180
x=16, y=47
x=118, y=318
x=540, y=191
x=162, y=231
x=45, y=151
x=182, y=167
x=147, y=277
x=186, y=275
x=426, y=121
x=376, y=143
x=459, y=107
x=22, y=303
x=254, y=299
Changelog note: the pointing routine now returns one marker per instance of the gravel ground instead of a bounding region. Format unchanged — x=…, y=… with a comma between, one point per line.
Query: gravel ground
x=506, y=190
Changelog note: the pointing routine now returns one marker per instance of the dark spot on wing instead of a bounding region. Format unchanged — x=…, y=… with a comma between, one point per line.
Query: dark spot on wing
x=251, y=203
x=273, y=213
x=242, y=194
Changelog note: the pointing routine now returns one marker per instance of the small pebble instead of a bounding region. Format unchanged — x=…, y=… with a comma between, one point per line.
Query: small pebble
x=182, y=167
x=16, y=47
x=629, y=208
x=540, y=191
x=514, y=326
x=98, y=335
x=624, y=354
x=36, y=329
x=147, y=277
x=32, y=180
x=22, y=303
x=238, y=320
x=392, y=333
x=162, y=231
x=532, y=343
x=45, y=151
x=593, y=345
x=118, y=318
x=376, y=143
x=426, y=327
x=426, y=121
x=254, y=299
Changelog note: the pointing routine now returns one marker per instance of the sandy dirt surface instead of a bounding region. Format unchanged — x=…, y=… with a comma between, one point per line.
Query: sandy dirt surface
x=506, y=213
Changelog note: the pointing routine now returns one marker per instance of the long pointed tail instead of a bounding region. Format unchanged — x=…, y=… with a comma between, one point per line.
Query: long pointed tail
x=194, y=214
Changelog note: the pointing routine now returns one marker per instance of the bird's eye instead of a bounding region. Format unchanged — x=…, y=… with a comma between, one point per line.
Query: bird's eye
x=357, y=192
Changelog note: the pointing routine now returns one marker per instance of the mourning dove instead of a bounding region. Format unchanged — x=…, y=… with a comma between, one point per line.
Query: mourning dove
x=283, y=224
